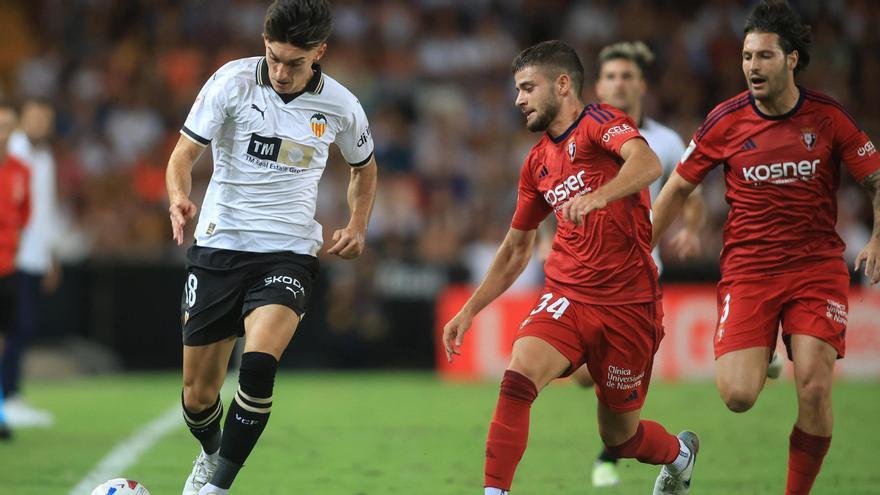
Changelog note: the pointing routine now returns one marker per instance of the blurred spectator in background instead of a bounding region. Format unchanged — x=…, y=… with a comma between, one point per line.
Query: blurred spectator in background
x=38, y=267
x=14, y=212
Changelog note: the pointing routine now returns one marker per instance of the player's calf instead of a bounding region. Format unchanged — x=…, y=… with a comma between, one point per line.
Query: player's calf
x=247, y=416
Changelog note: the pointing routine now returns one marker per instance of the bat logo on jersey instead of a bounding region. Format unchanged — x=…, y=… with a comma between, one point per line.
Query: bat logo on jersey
x=285, y=152
x=319, y=124
x=783, y=172
x=808, y=138
x=868, y=149
x=571, y=187
x=572, y=149
x=616, y=130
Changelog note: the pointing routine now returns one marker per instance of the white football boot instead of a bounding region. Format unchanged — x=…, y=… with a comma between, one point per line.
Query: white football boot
x=605, y=474
x=672, y=483
x=774, y=369
x=203, y=468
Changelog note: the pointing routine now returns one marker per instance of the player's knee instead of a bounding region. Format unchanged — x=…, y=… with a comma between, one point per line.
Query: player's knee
x=813, y=393
x=196, y=399
x=739, y=399
x=256, y=376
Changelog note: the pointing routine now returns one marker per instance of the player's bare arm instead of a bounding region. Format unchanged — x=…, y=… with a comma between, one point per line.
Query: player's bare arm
x=870, y=255
x=510, y=261
x=178, y=182
x=669, y=204
x=348, y=242
x=687, y=240
x=640, y=168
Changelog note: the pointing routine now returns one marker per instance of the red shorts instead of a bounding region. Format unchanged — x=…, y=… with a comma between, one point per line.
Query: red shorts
x=616, y=342
x=806, y=303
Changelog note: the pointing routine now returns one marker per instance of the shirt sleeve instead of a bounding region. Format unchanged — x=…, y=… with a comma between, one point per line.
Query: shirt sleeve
x=26, y=206
x=531, y=208
x=855, y=148
x=355, y=140
x=702, y=155
x=212, y=107
x=609, y=128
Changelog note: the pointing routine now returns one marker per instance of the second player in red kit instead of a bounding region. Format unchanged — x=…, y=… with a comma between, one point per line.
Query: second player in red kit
x=782, y=147
x=601, y=303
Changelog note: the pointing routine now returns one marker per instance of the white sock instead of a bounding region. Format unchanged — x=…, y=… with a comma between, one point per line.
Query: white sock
x=684, y=457
x=495, y=491
x=210, y=489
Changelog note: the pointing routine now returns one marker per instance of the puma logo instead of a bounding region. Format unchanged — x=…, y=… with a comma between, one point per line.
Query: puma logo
x=262, y=113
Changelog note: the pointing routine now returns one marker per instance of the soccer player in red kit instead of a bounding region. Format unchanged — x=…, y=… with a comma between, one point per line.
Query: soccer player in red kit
x=15, y=207
x=781, y=146
x=601, y=303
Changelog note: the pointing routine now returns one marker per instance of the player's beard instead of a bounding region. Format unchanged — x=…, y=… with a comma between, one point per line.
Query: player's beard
x=544, y=118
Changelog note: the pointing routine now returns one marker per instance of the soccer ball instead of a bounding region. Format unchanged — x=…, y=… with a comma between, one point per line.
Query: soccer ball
x=120, y=486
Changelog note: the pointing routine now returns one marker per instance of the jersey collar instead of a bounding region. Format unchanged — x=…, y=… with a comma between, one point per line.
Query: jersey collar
x=560, y=138
x=314, y=86
x=783, y=116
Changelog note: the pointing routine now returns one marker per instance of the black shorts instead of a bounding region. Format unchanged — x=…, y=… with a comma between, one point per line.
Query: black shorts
x=8, y=303
x=223, y=286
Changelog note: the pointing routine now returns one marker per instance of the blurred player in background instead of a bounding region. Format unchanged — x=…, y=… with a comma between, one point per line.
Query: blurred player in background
x=781, y=146
x=38, y=268
x=14, y=213
x=601, y=304
x=252, y=268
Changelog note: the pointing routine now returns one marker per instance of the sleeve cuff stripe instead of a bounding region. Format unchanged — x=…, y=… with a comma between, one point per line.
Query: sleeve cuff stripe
x=195, y=137
x=363, y=162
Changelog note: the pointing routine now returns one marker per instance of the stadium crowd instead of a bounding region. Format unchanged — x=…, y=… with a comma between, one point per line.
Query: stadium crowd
x=434, y=78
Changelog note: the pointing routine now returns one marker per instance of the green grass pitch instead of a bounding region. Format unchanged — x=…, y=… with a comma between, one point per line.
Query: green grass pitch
x=400, y=433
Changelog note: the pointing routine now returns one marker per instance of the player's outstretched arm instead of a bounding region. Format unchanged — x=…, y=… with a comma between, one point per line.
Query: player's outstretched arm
x=871, y=253
x=510, y=261
x=178, y=182
x=669, y=204
x=640, y=168
x=348, y=242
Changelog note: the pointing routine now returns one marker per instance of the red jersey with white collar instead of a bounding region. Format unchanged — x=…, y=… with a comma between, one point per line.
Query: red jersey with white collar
x=607, y=259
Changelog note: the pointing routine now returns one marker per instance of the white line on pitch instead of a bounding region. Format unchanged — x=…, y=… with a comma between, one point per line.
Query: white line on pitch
x=128, y=451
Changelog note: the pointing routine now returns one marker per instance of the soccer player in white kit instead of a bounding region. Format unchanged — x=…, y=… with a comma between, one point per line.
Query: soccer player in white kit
x=270, y=121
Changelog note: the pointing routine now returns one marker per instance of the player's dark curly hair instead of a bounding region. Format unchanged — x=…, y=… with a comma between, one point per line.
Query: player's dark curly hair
x=554, y=55
x=302, y=23
x=777, y=16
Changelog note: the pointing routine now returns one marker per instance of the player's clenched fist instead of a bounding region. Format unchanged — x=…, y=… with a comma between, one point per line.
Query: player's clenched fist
x=348, y=243
x=453, y=334
x=180, y=211
x=578, y=208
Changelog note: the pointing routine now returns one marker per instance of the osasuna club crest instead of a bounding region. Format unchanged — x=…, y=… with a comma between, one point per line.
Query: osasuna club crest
x=572, y=149
x=808, y=137
x=319, y=124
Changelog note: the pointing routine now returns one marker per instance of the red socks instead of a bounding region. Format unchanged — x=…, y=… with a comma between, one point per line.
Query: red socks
x=509, y=430
x=651, y=444
x=805, y=454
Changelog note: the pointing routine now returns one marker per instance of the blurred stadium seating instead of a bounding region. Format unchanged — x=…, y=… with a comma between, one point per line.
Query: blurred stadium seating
x=434, y=78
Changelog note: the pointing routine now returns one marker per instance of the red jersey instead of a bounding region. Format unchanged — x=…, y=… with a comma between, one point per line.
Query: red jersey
x=14, y=210
x=607, y=259
x=782, y=173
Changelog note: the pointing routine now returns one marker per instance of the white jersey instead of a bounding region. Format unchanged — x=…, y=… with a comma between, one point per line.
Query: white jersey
x=269, y=154
x=39, y=239
x=669, y=148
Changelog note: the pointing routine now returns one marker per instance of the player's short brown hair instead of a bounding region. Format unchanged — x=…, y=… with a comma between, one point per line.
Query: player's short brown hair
x=554, y=55
x=636, y=52
x=302, y=23
x=777, y=16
